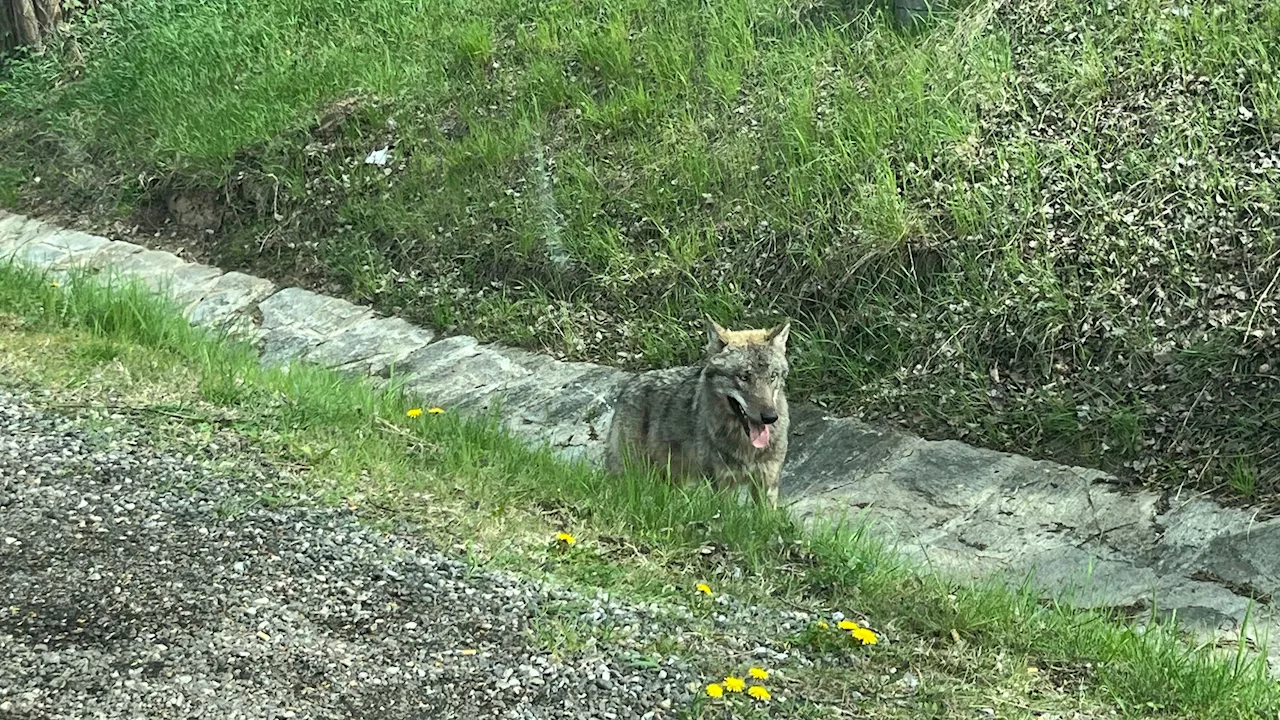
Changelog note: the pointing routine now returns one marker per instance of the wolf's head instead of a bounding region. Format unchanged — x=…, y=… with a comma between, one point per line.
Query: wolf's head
x=746, y=369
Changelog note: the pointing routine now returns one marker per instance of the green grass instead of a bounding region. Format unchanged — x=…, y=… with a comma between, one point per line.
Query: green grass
x=474, y=481
x=1045, y=227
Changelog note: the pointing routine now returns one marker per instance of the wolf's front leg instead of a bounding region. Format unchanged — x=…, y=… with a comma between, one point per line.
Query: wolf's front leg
x=763, y=490
x=764, y=487
x=771, y=494
x=723, y=479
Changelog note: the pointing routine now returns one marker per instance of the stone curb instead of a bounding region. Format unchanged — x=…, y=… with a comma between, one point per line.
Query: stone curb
x=964, y=511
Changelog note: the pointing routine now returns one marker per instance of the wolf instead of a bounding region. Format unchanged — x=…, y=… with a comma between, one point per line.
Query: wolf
x=724, y=420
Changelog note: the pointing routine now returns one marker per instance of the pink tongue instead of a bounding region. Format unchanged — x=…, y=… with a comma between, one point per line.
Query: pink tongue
x=759, y=435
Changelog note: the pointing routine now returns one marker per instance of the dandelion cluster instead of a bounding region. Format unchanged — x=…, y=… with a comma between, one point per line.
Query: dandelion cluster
x=863, y=635
x=738, y=685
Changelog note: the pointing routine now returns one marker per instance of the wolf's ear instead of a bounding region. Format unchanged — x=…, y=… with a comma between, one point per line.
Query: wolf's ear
x=715, y=336
x=778, y=336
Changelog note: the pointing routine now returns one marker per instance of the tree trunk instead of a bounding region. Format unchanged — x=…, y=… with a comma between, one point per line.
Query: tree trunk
x=27, y=25
x=29, y=22
x=48, y=14
x=911, y=13
x=8, y=33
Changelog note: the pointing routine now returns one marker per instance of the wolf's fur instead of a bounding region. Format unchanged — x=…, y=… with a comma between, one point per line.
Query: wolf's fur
x=700, y=421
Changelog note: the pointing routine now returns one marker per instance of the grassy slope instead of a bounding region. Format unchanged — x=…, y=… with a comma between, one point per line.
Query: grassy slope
x=1041, y=226
x=112, y=346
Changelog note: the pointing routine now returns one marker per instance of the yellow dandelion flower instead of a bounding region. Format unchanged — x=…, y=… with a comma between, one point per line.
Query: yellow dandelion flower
x=865, y=636
x=715, y=691
x=435, y=410
x=759, y=693
x=414, y=412
x=847, y=625
x=566, y=538
x=758, y=673
x=822, y=625
x=703, y=588
x=734, y=684
x=1033, y=670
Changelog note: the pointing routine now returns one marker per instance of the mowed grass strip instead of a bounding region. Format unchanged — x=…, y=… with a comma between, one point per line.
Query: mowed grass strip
x=1045, y=227
x=349, y=429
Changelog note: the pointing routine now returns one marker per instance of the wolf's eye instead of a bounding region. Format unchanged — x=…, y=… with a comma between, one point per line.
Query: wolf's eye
x=744, y=376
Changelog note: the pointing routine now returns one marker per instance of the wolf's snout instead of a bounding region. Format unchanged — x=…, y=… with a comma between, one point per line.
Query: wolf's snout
x=769, y=417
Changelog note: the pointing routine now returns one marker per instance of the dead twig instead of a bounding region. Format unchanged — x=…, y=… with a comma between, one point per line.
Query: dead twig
x=144, y=409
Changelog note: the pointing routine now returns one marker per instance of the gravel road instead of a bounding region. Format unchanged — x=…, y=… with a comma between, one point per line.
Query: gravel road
x=141, y=584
